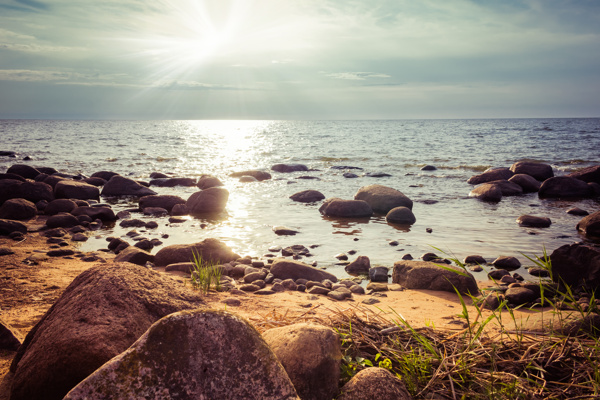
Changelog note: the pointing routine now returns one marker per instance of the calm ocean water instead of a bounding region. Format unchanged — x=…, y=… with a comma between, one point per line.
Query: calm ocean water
x=458, y=148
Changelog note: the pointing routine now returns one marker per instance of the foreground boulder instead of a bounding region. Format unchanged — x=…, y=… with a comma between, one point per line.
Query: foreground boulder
x=100, y=314
x=19, y=209
x=290, y=269
x=192, y=355
x=311, y=355
x=564, y=187
x=539, y=171
x=374, y=383
x=336, y=207
x=577, y=265
x=211, y=200
x=209, y=250
x=382, y=198
x=590, y=225
x=70, y=189
x=430, y=276
x=120, y=186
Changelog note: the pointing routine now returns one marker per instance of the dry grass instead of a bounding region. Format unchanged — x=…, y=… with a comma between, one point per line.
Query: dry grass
x=469, y=364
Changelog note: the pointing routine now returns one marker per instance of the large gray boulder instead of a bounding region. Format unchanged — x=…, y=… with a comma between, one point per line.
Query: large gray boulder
x=120, y=186
x=577, y=265
x=336, y=207
x=374, y=383
x=19, y=209
x=211, y=200
x=163, y=201
x=311, y=355
x=209, y=250
x=291, y=269
x=100, y=314
x=490, y=174
x=71, y=189
x=382, y=198
x=430, y=276
x=590, y=225
x=192, y=355
x=565, y=187
x=539, y=171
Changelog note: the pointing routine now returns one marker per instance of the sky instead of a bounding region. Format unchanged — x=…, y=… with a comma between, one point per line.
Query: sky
x=299, y=59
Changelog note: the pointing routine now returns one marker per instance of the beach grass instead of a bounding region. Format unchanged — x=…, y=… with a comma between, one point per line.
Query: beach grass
x=205, y=274
x=505, y=361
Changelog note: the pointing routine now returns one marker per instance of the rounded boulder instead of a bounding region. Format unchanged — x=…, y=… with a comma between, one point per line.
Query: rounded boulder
x=211, y=200
x=382, y=199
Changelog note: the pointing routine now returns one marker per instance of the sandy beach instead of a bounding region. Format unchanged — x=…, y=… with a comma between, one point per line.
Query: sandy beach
x=31, y=282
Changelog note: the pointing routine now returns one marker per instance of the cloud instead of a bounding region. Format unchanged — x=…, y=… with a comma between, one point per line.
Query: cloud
x=356, y=76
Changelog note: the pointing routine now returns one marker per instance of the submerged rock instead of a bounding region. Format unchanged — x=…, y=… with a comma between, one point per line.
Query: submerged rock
x=289, y=167
x=533, y=221
x=401, y=215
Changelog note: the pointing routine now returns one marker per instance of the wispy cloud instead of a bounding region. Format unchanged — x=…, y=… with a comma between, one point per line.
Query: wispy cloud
x=357, y=76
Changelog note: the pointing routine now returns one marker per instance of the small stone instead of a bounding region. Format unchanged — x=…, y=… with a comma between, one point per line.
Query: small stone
x=370, y=301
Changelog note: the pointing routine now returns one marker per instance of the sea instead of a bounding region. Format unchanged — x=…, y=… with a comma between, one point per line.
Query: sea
x=449, y=222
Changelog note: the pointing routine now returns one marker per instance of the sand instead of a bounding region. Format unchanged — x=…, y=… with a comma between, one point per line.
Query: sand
x=28, y=289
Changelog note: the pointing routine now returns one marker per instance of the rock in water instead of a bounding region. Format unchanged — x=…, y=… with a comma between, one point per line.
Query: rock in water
x=577, y=265
x=564, y=187
x=491, y=174
x=537, y=170
x=308, y=196
x=382, y=198
x=487, y=192
x=121, y=186
x=71, y=189
x=211, y=200
x=590, y=225
x=335, y=207
x=209, y=250
x=100, y=314
x=192, y=355
x=311, y=355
